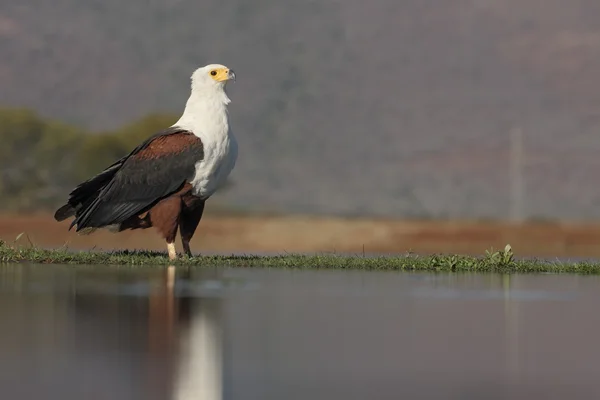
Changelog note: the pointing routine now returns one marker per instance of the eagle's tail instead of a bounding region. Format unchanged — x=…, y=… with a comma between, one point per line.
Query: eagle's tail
x=64, y=212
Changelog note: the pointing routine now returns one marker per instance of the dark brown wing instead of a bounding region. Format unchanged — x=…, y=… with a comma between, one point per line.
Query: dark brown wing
x=152, y=171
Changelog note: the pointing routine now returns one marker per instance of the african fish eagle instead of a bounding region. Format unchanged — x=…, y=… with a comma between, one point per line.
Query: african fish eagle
x=165, y=181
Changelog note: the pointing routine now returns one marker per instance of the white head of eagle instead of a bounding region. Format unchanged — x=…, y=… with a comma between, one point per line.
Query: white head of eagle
x=165, y=181
x=211, y=76
x=205, y=113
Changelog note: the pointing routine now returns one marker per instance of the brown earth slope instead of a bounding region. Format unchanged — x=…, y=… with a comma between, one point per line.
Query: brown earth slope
x=310, y=234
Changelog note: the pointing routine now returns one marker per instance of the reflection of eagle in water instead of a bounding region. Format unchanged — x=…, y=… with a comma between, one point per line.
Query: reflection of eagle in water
x=165, y=181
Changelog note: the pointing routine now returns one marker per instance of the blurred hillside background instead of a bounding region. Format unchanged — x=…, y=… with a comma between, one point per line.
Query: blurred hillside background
x=412, y=109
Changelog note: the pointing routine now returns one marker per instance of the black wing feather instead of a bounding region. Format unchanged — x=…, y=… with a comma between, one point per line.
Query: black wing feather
x=131, y=186
x=85, y=193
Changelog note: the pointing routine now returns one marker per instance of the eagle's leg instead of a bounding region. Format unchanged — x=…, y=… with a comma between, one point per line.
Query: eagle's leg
x=165, y=216
x=171, y=250
x=191, y=214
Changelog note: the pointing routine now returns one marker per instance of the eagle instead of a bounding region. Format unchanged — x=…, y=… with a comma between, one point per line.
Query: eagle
x=165, y=181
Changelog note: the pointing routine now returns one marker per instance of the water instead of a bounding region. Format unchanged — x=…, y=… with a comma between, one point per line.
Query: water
x=210, y=334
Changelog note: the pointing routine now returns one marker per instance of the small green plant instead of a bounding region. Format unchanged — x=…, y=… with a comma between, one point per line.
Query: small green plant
x=501, y=257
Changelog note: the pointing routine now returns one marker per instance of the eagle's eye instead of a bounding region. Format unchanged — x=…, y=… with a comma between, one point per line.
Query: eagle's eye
x=213, y=72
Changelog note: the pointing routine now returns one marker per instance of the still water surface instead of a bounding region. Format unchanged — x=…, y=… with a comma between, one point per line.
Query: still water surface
x=210, y=334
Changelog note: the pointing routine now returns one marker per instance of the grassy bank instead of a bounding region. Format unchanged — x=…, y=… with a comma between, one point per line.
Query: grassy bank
x=492, y=261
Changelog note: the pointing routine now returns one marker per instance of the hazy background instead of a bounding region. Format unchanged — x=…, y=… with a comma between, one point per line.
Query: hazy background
x=383, y=108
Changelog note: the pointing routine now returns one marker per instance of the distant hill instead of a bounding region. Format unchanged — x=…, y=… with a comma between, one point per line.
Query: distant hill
x=383, y=108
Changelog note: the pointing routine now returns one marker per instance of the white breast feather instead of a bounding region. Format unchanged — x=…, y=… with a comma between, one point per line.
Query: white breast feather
x=207, y=118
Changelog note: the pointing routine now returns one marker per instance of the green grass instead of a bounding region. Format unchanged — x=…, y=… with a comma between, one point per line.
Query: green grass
x=492, y=261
